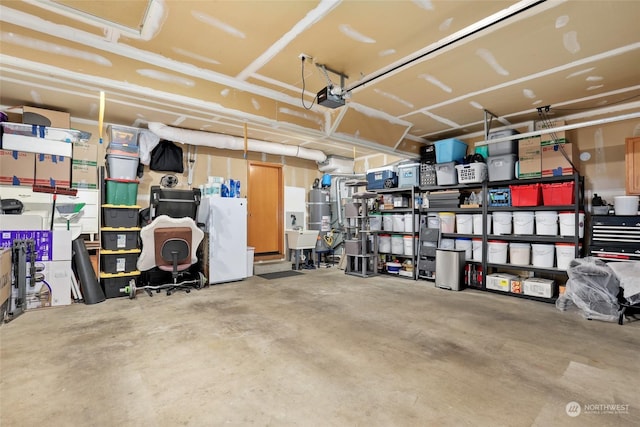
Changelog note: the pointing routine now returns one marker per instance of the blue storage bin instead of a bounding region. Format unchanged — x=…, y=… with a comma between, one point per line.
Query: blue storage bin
x=379, y=179
x=450, y=150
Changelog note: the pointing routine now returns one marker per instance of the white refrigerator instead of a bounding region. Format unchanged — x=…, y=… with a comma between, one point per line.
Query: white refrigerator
x=227, y=227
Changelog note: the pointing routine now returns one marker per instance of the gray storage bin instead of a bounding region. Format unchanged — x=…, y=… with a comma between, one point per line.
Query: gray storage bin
x=122, y=167
x=504, y=147
x=502, y=168
x=446, y=173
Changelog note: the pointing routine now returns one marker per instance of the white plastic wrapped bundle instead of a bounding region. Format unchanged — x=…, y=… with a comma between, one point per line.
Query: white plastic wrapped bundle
x=593, y=288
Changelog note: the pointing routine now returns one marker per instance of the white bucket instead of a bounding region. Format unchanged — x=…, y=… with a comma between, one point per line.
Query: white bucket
x=433, y=221
x=375, y=222
x=409, y=244
x=384, y=243
x=464, y=224
x=625, y=205
x=477, y=224
x=502, y=223
x=542, y=255
x=398, y=222
x=565, y=253
x=519, y=253
x=410, y=223
x=476, y=245
x=465, y=245
x=523, y=222
x=567, y=222
x=447, y=222
x=497, y=251
x=397, y=244
x=387, y=222
x=547, y=223
x=447, y=243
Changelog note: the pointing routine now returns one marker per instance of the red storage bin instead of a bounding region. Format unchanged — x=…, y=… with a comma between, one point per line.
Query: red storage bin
x=525, y=195
x=557, y=194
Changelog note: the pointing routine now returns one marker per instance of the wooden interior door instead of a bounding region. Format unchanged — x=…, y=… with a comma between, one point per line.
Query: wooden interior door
x=265, y=203
x=632, y=160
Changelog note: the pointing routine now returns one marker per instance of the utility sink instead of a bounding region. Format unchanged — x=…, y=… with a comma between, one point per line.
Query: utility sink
x=302, y=239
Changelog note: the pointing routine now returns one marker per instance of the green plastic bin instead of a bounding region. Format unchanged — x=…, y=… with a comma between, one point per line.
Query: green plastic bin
x=121, y=191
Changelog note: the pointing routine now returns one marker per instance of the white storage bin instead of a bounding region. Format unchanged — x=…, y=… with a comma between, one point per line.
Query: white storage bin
x=464, y=223
x=497, y=251
x=502, y=223
x=547, y=223
x=447, y=222
x=519, y=253
x=542, y=255
x=523, y=222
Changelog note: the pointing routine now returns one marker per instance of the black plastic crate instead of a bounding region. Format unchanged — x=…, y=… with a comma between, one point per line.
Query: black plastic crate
x=428, y=154
x=119, y=261
x=120, y=216
x=112, y=283
x=119, y=238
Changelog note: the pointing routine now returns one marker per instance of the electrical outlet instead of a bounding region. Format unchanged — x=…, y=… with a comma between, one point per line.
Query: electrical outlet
x=305, y=57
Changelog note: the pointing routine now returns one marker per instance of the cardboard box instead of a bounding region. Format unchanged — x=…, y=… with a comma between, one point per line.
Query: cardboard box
x=52, y=170
x=51, y=287
x=85, y=150
x=542, y=125
x=17, y=167
x=49, y=245
x=84, y=174
x=538, y=287
x=500, y=281
x=554, y=162
x=5, y=276
x=529, y=158
x=43, y=117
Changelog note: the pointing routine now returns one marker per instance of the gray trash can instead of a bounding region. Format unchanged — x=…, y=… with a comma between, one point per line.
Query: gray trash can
x=450, y=269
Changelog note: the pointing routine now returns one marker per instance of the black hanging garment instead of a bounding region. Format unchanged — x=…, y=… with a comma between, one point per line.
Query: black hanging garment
x=166, y=157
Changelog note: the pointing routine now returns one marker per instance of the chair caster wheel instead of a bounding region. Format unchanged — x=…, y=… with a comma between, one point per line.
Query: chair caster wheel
x=187, y=290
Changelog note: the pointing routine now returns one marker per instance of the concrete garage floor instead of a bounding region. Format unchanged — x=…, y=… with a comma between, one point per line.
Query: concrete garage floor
x=323, y=349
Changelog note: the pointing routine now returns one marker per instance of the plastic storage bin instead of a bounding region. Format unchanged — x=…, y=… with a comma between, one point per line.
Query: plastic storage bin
x=112, y=283
x=122, y=261
x=472, y=173
x=557, y=194
x=122, y=167
x=450, y=150
x=123, y=134
x=497, y=251
x=377, y=179
x=502, y=168
x=525, y=195
x=123, y=149
x=504, y=147
x=119, y=238
x=499, y=197
x=121, y=191
x=519, y=253
x=446, y=173
x=120, y=216
x=409, y=175
x=427, y=174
